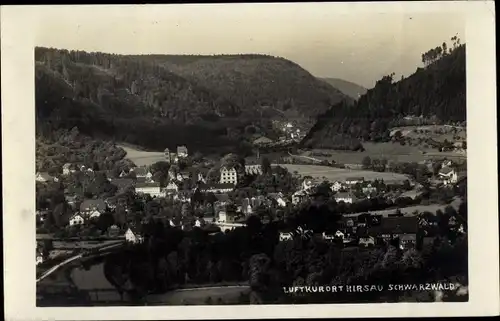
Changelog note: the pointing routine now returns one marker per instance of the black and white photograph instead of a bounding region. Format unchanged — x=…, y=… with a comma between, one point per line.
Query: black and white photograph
x=280, y=154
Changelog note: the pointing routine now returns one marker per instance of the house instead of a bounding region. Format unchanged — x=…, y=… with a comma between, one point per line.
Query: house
x=90, y=205
x=152, y=189
x=123, y=173
x=278, y=197
x=307, y=184
x=39, y=257
x=246, y=206
x=262, y=141
x=68, y=168
x=224, y=218
x=448, y=175
x=44, y=177
x=228, y=175
x=330, y=237
x=354, y=180
x=133, y=235
x=182, y=152
x=336, y=186
x=297, y=197
x=369, y=189
x=367, y=241
x=253, y=170
x=345, y=197
x=285, y=236
x=199, y=222
x=172, y=187
x=172, y=173
x=446, y=163
x=257, y=201
x=142, y=172
x=404, y=228
x=76, y=219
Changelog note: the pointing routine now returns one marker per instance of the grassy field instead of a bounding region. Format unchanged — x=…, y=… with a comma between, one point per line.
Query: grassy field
x=390, y=151
x=141, y=157
x=340, y=174
x=410, y=209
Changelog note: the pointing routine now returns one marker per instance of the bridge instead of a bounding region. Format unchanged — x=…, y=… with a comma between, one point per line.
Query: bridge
x=99, y=251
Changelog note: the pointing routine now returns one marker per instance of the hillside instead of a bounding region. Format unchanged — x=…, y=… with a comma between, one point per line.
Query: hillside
x=346, y=87
x=205, y=102
x=436, y=93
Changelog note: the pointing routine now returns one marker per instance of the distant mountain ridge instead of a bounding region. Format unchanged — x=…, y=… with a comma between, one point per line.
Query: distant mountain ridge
x=436, y=92
x=159, y=101
x=351, y=89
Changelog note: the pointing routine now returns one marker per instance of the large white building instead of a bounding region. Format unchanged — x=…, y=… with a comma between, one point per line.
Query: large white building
x=228, y=175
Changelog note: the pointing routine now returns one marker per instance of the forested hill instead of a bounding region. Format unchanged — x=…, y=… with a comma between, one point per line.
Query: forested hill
x=348, y=88
x=436, y=92
x=155, y=101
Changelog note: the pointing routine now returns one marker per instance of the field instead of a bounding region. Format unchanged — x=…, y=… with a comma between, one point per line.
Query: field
x=141, y=157
x=340, y=174
x=390, y=151
x=410, y=209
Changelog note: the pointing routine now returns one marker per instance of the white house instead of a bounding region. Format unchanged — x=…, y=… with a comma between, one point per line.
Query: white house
x=339, y=234
x=285, y=236
x=345, y=197
x=366, y=241
x=368, y=189
x=89, y=206
x=172, y=187
x=133, y=235
x=76, y=219
x=39, y=257
x=297, y=197
x=307, y=184
x=45, y=177
x=337, y=186
x=94, y=214
x=278, y=197
x=152, y=189
x=228, y=175
x=448, y=175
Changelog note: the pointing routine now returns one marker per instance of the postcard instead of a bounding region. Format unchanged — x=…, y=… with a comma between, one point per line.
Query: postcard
x=279, y=160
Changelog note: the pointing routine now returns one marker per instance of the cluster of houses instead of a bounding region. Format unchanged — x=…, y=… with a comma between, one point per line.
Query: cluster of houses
x=172, y=157
x=370, y=230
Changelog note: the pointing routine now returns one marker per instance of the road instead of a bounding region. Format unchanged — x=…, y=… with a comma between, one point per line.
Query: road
x=71, y=259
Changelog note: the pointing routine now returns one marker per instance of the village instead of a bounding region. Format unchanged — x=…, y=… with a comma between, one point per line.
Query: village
x=187, y=195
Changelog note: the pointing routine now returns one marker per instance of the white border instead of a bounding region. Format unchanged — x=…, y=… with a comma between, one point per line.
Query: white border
x=19, y=25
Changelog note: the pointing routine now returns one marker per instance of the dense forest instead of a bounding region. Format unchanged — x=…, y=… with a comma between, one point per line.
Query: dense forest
x=436, y=92
x=205, y=102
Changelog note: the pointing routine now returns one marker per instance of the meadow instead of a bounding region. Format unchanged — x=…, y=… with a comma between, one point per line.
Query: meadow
x=340, y=174
x=142, y=157
x=390, y=151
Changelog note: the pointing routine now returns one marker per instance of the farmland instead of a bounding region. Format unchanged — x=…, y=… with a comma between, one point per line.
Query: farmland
x=141, y=157
x=340, y=174
x=408, y=211
x=390, y=151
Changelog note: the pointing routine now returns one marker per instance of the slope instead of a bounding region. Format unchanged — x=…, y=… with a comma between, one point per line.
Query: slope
x=436, y=92
x=254, y=82
x=163, y=101
x=348, y=88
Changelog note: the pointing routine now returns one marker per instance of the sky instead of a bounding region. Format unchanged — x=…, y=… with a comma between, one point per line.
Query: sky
x=358, y=42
